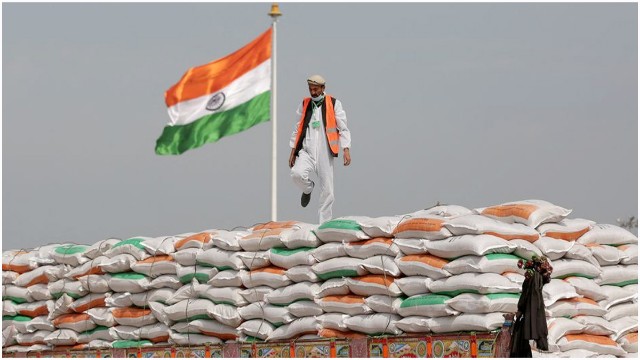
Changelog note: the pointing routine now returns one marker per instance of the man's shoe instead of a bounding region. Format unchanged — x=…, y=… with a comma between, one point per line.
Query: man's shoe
x=304, y=200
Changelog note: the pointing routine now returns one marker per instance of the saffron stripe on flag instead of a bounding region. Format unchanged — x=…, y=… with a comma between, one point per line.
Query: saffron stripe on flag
x=210, y=78
x=177, y=139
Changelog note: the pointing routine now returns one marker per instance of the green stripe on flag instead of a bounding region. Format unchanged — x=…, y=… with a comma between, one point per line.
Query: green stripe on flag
x=179, y=138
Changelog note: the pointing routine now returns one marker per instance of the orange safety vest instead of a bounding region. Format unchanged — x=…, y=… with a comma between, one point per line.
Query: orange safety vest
x=329, y=120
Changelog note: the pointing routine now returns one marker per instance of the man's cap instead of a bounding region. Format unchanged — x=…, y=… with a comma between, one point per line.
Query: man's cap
x=316, y=80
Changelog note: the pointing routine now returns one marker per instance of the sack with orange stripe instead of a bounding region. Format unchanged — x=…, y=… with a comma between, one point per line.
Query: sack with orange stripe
x=374, y=324
x=606, y=234
x=574, y=307
x=368, y=285
x=338, y=267
x=595, y=325
x=566, y=229
x=429, y=228
x=263, y=239
x=92, y=267
x=337, y=334
x=89, y=301
x=75, y=322
x=629, y=342
x=423, y=265
x=345, y=304
x=102, y=316
x=381, y=265
x=32, y=338
x=559, y=327
x=616, y=295
x=624, y=326
x=482, y=225
x=133, y=316
x=156, y=265
x=207, y=327
x=271, y=276
x=298, y=327
x=200, y=240
x=582, y=252
x=345, y=229
x=630, y=254
x=599, y=344
x=369, y=248
x=19, y=261
x=156, y=333
x=478, y=245
x=41, y=275
x=34, y=309
x=528, y=212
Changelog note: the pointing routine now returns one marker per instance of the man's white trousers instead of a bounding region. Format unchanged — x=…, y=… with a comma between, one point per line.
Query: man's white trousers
x=323, y=168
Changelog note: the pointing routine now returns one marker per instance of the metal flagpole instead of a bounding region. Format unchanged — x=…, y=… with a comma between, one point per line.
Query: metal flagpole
x=274, y=13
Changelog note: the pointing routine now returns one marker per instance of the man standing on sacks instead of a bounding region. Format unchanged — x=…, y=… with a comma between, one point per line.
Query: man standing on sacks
x=316, y=140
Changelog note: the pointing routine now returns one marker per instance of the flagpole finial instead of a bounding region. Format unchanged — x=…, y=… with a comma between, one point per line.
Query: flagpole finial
x=275, y=11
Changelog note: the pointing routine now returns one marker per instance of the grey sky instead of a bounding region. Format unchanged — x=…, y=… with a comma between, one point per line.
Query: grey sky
x=468, y=104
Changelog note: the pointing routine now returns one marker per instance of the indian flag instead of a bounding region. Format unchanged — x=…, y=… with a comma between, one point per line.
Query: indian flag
x=218, y=99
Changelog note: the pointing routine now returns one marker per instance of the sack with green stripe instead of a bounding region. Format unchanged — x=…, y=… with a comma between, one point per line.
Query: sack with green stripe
x=476, y=283
x=288, y=258
x=482, y=304
x=66, y=286
x=18, y=321
x=618, y=275
x=16, y=294
x=430, y=305
x=339, y=267
x=131, y=282
x=490, y=263
x=188, y=309
x=344, y=229
x=70, y=254
x=563, y=268
x=202, y=274
x=133, y=246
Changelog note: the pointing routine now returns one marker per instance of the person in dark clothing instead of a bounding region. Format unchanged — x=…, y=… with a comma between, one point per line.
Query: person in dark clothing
x=530, y=322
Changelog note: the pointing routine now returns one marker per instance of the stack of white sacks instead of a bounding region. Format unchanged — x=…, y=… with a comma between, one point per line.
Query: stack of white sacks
x=445, y=269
